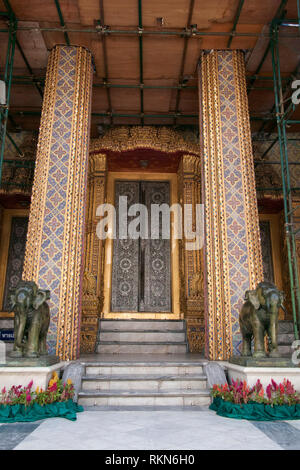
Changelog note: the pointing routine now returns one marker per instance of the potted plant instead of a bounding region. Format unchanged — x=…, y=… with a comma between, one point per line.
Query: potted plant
x=24, y=404
x=239, y=400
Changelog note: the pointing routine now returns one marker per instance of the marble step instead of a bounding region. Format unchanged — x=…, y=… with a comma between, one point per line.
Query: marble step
x=143, y=382
x=143, y=325
x=200, y=397
x=285, y=350
x=285, y=326
x=110, y=347
x=143, y=336
x=285, y=338
x=181, y=369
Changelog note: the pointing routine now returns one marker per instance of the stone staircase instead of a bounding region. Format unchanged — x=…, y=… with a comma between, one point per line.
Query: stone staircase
x=142, y=337
x=146, y=382
x=285, y=337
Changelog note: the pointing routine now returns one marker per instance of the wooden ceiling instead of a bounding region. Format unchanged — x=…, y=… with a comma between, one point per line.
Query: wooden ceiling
x=161, y=61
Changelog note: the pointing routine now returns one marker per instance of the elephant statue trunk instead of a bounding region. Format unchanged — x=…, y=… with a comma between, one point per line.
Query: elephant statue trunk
x=21, y=321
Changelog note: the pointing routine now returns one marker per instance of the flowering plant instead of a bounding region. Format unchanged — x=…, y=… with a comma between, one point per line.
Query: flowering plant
x=56, y=392
x=239, y=392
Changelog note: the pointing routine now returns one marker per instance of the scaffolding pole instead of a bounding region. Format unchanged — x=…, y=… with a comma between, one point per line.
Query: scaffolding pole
x=12, y=28
x=290, y=229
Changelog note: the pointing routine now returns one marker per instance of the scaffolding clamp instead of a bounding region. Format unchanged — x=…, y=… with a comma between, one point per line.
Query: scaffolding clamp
x=102, y=29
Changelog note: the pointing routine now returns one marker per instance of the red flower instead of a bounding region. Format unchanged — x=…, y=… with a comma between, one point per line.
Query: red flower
x=261, y=393
x=258, y=385
x=269, y=391
x=274, y=384
x=29, y=385
x=53, y=387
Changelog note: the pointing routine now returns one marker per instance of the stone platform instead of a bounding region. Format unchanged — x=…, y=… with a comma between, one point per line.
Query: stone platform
x=42, y=361
x=264, y=374
x=22, y=371
x=249, y=361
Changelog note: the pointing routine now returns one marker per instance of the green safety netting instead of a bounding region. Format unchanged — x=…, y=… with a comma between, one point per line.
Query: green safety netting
x=255, y=411
x=35, y=412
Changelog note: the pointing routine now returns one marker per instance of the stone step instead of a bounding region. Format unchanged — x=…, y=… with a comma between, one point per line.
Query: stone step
x=143, y=382
x=145, y=398
x=161, y=325
x=285, y=338
x=285, y=350
x=181, y=369
x=285, y=326
x=142, y=336
x=110, y=347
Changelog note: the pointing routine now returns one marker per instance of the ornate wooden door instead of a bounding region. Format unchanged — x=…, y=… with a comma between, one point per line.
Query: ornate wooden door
x=141, y=277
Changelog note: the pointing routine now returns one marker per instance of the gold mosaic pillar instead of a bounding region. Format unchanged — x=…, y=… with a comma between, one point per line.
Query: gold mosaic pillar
x=54, y=248
x=92, y=299
x=233, y=261
x=192, y=260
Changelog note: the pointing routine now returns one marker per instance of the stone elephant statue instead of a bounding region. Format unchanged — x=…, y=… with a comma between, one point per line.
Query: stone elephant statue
x=32, y=318
x=259, y=316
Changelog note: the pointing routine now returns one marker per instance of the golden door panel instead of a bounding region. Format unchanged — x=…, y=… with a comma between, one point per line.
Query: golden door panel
x=174, y=261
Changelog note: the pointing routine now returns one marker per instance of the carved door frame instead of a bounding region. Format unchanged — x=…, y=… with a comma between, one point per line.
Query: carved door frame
x=186, y=267
x=175, y=274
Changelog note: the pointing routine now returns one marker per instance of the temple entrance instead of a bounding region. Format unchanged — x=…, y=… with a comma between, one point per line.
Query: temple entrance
x=141, y=274
x=151, y=283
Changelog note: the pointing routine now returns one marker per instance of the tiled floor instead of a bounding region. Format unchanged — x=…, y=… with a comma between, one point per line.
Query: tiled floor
x=150, y=429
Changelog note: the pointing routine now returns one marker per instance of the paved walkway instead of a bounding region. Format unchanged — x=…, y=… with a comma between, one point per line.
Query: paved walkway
x=138, y=429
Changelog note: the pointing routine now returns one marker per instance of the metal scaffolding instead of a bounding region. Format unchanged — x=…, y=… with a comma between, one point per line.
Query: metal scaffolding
x=280, y=114
x=283, y=118
x=8, y=71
